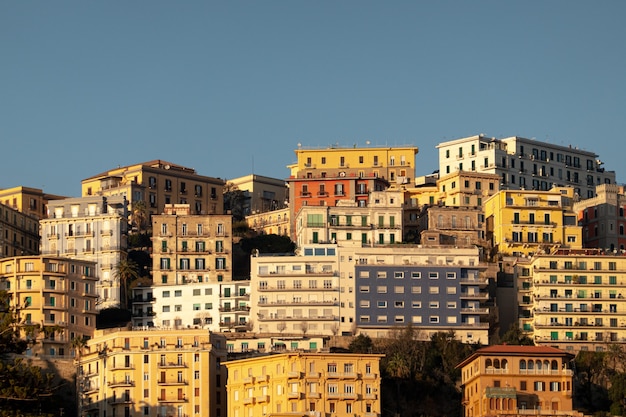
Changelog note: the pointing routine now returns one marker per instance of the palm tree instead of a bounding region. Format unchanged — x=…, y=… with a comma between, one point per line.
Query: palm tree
x=125, y=271
x=139, y=215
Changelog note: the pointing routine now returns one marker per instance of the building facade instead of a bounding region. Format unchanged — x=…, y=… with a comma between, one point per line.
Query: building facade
x=526, y=163
x=602, y=218
x=192, y=274
x=512, y=380
x=27, y=200
x=433, y=289
x=305, y=385
x=573, y=299
x=377, y=223
x=452, y=226
x=158, y=183
x=262, y=194
x=19, y=233
x=275, y=222
x=55, y=300
x=323, y=177
x=90, y=228
x=524, y=222
x=296, y=294
x=153, y=373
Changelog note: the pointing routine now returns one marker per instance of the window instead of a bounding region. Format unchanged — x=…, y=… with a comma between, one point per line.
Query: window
x=433, y=275
x=416, y=275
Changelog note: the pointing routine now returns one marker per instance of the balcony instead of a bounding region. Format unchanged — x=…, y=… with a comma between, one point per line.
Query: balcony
x=118, y=401
x=173, y=382
x=121, y=383
x=182, y=399
x=166, y=365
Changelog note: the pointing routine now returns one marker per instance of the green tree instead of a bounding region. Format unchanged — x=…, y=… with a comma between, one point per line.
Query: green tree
x=515, y=336
x=139, y=215
x=361, y=344
x=234, y=201
x=125, y=271
x=617, y=394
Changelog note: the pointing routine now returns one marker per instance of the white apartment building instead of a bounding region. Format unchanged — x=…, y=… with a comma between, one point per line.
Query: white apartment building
x=216, y=306
x=347, y=224
x=296, y=293
x=93, y=229
x=526, y=163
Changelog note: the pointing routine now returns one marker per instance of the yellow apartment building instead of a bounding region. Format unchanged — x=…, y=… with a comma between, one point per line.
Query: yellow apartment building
x=153, y=373
x=390, y=163
x=507, y=380
x=158, y=183
x=27, y=200
x=19, y=233
x=524, y=222
x=573, y=299
x=305, y=384
x=55, y=298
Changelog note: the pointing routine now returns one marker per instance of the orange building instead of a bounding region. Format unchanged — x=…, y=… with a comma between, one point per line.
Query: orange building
x=517, y=380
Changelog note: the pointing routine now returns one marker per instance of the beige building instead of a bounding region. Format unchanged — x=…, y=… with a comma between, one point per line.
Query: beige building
x=507, y=380
x=305, y=385
x=263, y=194
x=192, y=275
x=573, y=299
x=153, y=374
x=158, y=183
x=452, y=225
x=19, y=233
x=27, y=200
x=91, y=228
x=467, y=188
x=275, y=222
x=55, y=298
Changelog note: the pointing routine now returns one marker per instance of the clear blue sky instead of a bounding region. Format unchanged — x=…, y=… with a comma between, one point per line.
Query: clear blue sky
x=231, y=87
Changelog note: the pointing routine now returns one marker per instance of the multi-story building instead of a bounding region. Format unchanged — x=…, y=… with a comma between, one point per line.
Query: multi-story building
x=433, y=289
x=94, y=229
x=19, y=233
x=55, y=300
x=275, y=222
x=467, y=188
x=262, y=194
x=192, y=275
x=517, y=380
x=248, y=344
x=323, y=177
x=296, y=294
x=524, y=222
x=602, y=218
x=573, y=299
x=158, y=183
x=305, y=384
x=347, y=224
x=526, y=163
x=153, y=373
x=452, y=225
x=30, y=201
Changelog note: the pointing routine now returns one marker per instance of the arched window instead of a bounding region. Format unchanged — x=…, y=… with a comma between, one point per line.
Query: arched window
x=522, y=364
x=504, y=364
x=531, y=365
x=538, y=365
x=555, y=365
x=496, y=363
x=488, y=363
x=546, y=365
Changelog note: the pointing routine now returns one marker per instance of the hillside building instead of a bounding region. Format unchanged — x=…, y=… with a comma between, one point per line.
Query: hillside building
x=526, y=164
x=158, y=183
x=153, y=373
x=305, y=384
x=602, y=218
x=518, y=380
x=19, y=233
x=94, y=229
x=55, y=300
